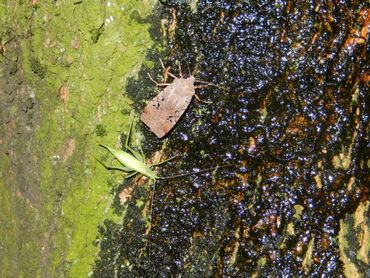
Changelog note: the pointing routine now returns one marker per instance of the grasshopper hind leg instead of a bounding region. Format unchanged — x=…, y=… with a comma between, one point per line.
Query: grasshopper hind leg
x=111, y=167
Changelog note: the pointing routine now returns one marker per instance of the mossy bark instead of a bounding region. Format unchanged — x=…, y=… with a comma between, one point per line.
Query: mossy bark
x=64, y=66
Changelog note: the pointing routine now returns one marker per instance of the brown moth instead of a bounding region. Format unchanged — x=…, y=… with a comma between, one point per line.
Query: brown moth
x=164, y=110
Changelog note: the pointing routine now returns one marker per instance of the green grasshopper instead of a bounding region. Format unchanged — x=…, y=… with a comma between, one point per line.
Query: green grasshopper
x=134, y=163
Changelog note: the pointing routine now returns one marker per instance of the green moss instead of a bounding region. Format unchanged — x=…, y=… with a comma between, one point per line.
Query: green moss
x=19, y=236
x=8, y=238
x=100, y=130
x=37, y=68
x=96, y=33
x=74, y=188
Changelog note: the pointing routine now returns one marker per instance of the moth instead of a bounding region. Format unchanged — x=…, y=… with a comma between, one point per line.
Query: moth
x=163, y=112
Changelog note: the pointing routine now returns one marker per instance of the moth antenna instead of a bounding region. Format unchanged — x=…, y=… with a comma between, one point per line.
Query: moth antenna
x=151, y=78
x=172, y=75
x=187, y=65
x=191, y=73
x=196, y=172
x=164, y=68
x=201, y=100
x=160, y=60
x=195, y=70
x=180, y=72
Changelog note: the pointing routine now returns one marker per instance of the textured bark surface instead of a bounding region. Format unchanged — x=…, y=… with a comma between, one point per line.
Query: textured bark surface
x=63, y=71
x=294, y=121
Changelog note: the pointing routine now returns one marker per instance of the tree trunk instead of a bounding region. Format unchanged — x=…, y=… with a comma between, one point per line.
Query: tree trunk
x=64, y=66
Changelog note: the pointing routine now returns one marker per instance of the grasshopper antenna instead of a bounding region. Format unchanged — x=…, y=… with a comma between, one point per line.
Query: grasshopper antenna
x=150, y=216
x=196, y=172
x=151, y=204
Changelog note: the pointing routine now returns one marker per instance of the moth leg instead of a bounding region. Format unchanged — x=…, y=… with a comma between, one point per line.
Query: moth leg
x=167, y=71
x=156, y=83
x=164, y=161
x=206, y=84
x=201, y=100
x=202, y=86
x=173, y=76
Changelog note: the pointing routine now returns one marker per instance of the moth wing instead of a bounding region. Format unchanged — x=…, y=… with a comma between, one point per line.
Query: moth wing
x=164, y=110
